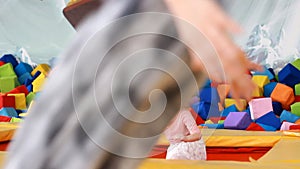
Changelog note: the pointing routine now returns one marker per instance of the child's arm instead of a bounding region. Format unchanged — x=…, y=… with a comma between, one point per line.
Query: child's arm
x=190, y=123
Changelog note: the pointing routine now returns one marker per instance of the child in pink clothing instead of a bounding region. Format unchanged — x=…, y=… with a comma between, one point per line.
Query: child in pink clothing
x=185, y=138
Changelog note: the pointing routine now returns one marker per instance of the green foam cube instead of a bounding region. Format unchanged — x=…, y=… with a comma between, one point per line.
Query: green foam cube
x=29, y=98
x=15, y=120
x=297, y=89
x=221, y=121
x=7, y=70
x=8, y=83
x=296, y=64
x=295, y=108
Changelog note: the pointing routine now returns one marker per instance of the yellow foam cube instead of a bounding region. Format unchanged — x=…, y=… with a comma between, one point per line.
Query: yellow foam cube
x=23, y=114
x=30, y=107
x=38, y=83
x=209, y=122
x=229, y=102
x=20, y=101
x=43, y=68
x=258, y=92
x=260, y=80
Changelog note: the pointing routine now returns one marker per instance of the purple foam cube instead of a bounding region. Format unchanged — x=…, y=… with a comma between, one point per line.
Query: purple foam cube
x=237, y=120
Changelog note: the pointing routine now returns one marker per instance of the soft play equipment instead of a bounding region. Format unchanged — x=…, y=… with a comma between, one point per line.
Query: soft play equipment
x=273, y=102
x=263, y=127
x=236, y=149
x=20, y=82
x=254, y=148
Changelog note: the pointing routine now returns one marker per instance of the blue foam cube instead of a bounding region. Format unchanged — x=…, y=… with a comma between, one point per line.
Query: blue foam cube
x=277, y=108
x=206, y=84
x=8, y=111
x=248, y=111
x=289, y=75
x=22, y=68
x=36, y=75
x=229, y=109
x=9, y=58
x=267, y=127
x=266, y=72
x=288, y=116
x=25, y=77
x=28, y=81
x=29, y=88
x=206, y=110
x=268, y=89
x=213, y=126
x=209, y=95
x=269, y=119
x=272, y=71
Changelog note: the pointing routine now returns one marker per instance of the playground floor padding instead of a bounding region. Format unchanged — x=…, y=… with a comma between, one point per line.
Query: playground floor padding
x=280, y=150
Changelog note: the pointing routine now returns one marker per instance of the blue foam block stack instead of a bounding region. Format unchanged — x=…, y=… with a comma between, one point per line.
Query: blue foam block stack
x=206, y=110
x=26, y=76
x=209, y=95
x=206, y=84
x=208, y=104
x=22, y=68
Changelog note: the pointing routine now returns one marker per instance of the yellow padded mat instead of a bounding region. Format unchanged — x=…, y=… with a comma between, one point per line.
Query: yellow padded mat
x=285, y=152
x=7, y=131
x=235, y=138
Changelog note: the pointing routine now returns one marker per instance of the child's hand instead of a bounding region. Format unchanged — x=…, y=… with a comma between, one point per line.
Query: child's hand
x=216, y=54
x=192, y=137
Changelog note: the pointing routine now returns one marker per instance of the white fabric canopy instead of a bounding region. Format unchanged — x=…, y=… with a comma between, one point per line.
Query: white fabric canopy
x=38, y=26
x=281, y=33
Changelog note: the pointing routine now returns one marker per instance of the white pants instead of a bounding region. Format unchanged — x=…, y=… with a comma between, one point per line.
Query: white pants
x=187, y=151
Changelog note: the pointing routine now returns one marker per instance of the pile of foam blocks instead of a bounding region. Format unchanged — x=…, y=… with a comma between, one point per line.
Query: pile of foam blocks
x=20, y=83
x=275, y=104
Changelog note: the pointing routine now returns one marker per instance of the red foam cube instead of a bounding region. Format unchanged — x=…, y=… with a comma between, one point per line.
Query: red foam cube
x=7, y=101
x=214, y=84
x=2, y=63
x=297, y=99
x=5, y=119
x=19, y=89
x=254, y=127
x=197, y=118
x=215, y=120
x=295, y=127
